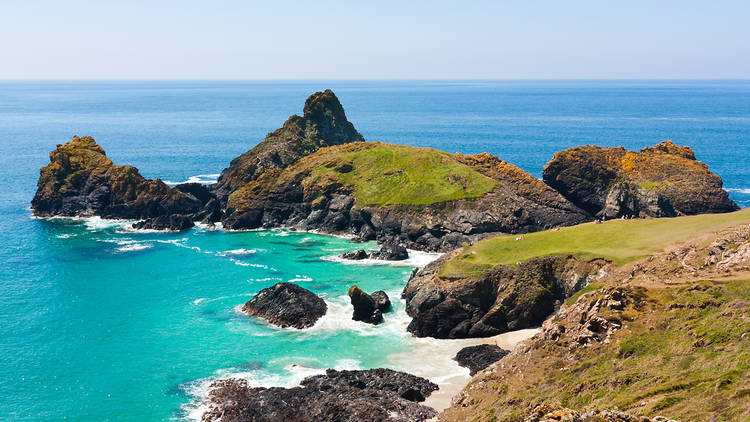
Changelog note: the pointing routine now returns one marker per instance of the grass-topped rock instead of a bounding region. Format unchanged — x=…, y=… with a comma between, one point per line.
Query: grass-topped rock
x=419, y=197
x=660, y=181
x=81, y=181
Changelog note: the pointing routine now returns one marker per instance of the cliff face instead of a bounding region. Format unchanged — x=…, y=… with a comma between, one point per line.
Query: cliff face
x=419, y=197
x=322, y=124
x=81, y=181
x=660, y=181
x=503, y=298
x=666, y=335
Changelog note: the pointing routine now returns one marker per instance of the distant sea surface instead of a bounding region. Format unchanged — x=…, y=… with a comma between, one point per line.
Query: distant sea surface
x=98, y=322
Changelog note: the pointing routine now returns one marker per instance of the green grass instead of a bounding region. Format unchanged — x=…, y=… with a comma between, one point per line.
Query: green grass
x=385, y=174
x=620, y=241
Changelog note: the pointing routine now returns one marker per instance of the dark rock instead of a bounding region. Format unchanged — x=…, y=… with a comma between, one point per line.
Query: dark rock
x=286, y=305
x=365, y=307
x=391, y=253
x=338, y=396
x=660, y=181
x=81, y=181
x=479, y=357
x=355, y=255
x=198, y=190
x=173, y=222
x=382, y=302
x=504, y=298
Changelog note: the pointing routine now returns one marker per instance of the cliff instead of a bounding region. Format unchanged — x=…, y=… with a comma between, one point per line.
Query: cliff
x=81, y=181
x=661, y=181
x=323, y=123
x=419, y=197
x=665, y=335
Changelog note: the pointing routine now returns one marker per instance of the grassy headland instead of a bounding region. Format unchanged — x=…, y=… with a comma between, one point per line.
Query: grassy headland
x=620, y=241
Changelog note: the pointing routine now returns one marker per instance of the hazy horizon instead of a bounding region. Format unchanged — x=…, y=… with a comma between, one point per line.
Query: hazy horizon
x=388, y=40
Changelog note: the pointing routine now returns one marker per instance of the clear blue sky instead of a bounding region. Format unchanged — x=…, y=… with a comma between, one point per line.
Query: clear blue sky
x=373, y=40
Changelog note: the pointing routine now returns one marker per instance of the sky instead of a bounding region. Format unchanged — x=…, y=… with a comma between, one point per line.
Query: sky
x=278, y=39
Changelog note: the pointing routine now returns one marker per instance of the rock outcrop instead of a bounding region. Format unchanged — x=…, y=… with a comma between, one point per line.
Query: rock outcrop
x=287, y=305
x=549, y=413
x=335, y=190
x=660, y=181
x=368, y=308
x=503, y=298
x=323, y=123
x=479, y=357
x=391, y=252
x=338, y=396
x=81, y=181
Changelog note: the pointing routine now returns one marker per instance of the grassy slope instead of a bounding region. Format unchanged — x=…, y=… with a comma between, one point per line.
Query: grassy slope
x=385, y=174
x=621, y=241
x=691, y=363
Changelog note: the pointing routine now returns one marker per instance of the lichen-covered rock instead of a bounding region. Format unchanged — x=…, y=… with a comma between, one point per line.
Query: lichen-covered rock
x=503, y=298
x=549, y=413
x=81, y=181
x=479, y=357
x=381, y=395
x=313, y=195
x=287, y=305
x=323, y=123
x=660, y=181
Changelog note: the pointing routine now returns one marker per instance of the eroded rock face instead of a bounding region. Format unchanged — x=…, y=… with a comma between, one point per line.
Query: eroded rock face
x=287, y=305
x=81, y=181
x=323, y=123
x=504, y=298
x=479, y=357
x=173, y=222
x=368, y=308
x=338, y=396
x=660, y=181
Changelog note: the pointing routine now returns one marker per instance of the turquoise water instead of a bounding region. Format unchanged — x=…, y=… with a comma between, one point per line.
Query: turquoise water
x=98, y=322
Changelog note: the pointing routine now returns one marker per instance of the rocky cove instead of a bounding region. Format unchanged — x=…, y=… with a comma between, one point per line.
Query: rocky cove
x=317, y=173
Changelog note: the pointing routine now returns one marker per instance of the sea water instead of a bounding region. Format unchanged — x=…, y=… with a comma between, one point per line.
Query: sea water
x=100, y=322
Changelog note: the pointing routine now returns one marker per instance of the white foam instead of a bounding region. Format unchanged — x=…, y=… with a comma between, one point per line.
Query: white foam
x=64, y=236
x=206, y=179
x=297, y=278
x=738, y=190
x=242, y=251
x=248, y=264
x=416, y=259
x=135, y=247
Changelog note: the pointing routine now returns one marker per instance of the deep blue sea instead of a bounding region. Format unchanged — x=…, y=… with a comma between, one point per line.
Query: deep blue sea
x=98, y=322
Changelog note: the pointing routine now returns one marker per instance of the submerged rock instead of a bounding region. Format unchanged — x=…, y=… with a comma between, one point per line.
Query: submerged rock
x=173, y=222
x=365, y=307
x=660, y=181
x=338, y=396
x=287, y=305
x=479, y=357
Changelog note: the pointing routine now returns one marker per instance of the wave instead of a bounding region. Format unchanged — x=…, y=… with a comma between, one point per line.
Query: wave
x=135, y=247
x=738, y=190
x=416, y=259
x=297, y=278
x=206, y=179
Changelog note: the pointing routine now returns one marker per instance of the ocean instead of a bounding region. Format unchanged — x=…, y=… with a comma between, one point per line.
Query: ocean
x=99, y=322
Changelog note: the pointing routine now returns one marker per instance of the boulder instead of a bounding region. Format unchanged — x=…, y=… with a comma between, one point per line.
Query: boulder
x=172, y=222
x=382, y=301
x=391, y=252
x=479, y=357
x=365, y=307
x=337, y=396
x=286, y=305
x=660, y=181
x=355, y=255
x=200, y=191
